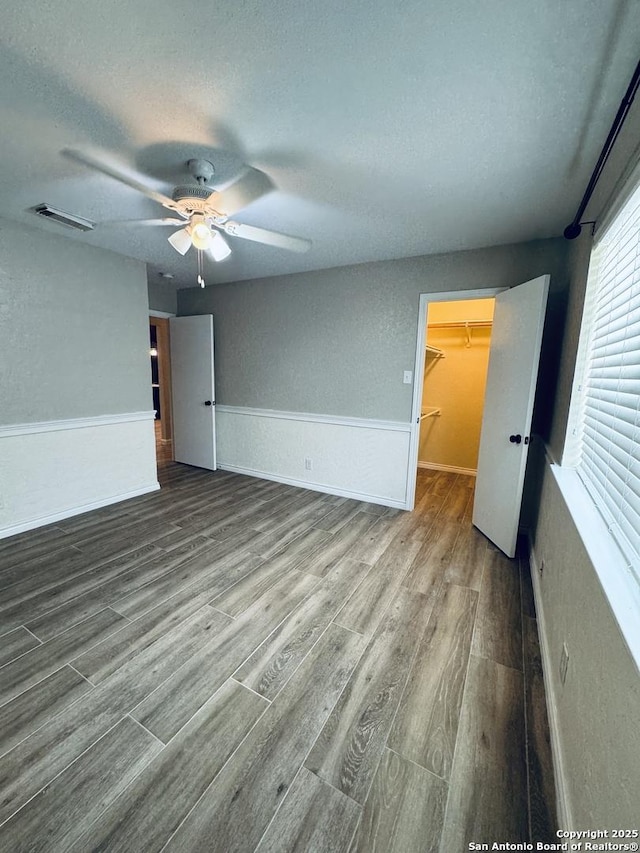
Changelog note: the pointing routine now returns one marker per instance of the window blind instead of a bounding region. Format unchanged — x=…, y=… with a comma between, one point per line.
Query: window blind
x=606, y=413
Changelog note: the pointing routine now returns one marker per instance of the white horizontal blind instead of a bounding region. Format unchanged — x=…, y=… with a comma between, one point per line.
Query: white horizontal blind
x=607, y=411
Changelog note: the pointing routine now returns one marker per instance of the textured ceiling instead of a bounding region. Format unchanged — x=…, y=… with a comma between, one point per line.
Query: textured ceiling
x=390, y=130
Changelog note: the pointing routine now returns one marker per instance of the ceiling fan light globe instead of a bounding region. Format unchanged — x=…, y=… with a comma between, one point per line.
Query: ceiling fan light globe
x=201, y=236
x=219, y=248
x=181, y=241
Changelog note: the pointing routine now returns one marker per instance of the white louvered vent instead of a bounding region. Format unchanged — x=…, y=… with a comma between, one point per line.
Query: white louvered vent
x=62, y=218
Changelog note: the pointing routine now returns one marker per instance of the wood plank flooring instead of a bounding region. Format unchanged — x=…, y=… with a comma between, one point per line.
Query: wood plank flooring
x=236, y=665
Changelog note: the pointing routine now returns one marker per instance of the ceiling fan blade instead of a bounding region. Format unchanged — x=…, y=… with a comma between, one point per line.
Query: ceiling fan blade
x=269, y=238
x=106, y=169
x=144, y=222
x=250, y=186
x=181, y=241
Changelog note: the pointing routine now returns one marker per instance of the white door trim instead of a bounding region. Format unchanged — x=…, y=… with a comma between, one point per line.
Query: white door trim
x=163, y=315
x=418, y=371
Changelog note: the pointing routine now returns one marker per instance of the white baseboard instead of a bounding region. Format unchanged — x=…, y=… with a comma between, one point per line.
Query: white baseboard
x=315, y=487
x=360, y=458
x=56, y=469
x=453, y=469
x=77, y=510
x=563, y=806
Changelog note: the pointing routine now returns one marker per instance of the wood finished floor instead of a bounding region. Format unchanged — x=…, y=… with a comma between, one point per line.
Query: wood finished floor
x=232, y=664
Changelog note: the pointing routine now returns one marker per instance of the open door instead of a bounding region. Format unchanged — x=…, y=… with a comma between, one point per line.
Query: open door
x=193, y=388
x=508, y=408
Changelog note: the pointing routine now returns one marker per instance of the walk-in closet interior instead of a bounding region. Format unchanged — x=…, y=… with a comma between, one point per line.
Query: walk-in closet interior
x=455, y=373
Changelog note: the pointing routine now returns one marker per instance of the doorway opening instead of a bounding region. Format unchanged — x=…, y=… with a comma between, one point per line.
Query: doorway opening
x=456, y=358
x=160, y=355
x=431, y=430
x=511, y=381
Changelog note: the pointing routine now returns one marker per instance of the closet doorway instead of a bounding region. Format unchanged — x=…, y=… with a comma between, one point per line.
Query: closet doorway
x=511, y=381
x=160, y=355
x=433, y=418
x=456, y=358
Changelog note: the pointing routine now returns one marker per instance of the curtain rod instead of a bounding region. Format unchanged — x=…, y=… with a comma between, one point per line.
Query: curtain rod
x=574, y=229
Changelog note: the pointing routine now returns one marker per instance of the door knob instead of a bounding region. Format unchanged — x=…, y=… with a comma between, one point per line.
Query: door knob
x=208, y=403
x=515, y=439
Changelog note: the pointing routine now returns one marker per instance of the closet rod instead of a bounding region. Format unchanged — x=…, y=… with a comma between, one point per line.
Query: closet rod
x=452, y=324
x=429, y=413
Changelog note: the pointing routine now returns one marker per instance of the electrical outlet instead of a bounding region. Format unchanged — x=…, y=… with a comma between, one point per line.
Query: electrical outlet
x=564, y=663
x=308, y=465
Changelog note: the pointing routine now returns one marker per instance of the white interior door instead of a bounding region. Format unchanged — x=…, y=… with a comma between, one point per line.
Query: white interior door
x=193, y=389
x=511, y=384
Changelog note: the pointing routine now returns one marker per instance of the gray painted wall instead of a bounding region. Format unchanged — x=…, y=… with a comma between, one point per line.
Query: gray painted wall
x=337, y=341
x=597, y=707
x=73, y=329
x=162, y=297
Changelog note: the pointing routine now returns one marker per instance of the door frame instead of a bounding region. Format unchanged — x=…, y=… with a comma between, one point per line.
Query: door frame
x=418, y=372
x=160, y=319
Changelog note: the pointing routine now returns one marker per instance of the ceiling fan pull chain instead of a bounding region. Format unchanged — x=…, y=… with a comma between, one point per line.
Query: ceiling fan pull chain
x=200, y=269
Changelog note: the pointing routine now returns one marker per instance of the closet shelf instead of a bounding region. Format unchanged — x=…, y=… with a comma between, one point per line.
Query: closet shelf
x=461, y=324
x=434, y=351
x=430, y=412
x=467, y=325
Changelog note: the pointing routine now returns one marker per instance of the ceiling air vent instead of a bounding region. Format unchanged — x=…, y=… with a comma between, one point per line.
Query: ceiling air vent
x=59, y=216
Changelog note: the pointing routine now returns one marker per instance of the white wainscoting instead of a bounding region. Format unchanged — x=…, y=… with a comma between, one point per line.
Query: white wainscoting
x=55, y=469
x=358, y=458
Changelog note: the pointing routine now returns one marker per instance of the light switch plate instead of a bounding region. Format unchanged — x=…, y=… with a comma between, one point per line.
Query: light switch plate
x=407, y=377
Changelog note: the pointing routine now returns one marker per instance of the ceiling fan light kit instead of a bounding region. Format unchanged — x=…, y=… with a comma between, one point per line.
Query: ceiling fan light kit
x=201, y=235
x=204, y=212
x=219, y=248
x=181, y=241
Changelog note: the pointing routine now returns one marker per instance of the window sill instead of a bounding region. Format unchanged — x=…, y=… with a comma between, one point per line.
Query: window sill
x=618, y=582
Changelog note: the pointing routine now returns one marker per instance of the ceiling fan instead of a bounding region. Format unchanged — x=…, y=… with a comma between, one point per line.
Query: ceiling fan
x=203, y=213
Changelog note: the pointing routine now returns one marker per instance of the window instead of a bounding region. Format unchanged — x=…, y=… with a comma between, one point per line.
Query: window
x=604, y=427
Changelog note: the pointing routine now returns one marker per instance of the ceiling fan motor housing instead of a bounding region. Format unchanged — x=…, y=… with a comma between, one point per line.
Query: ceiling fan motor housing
x=192, y=199
x=197, y=198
